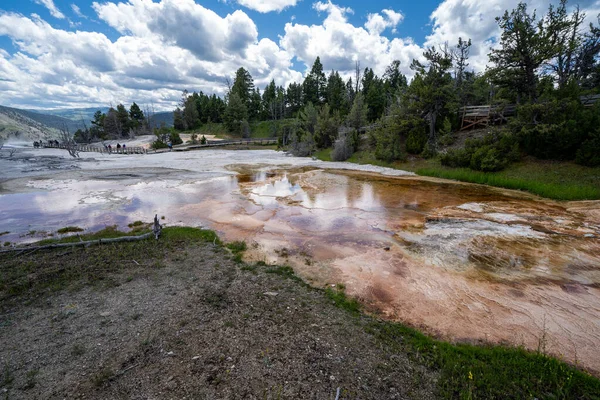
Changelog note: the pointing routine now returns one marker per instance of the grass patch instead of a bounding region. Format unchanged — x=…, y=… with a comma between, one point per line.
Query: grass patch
x=69, y=229
x=558, y=191
x=479, y=372
x=263, y=129
x=237, y=248
x=558, y=180
x=342, y=301
x=4, y=233
x=182, y=233
x=489, y=372
x=36, y=273
x=135, y=224
x=284, y=271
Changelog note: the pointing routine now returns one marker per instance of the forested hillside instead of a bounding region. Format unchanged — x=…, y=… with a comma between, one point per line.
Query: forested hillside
x=543, y=65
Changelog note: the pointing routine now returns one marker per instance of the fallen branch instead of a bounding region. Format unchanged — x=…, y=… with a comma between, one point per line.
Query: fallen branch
x=83, y=243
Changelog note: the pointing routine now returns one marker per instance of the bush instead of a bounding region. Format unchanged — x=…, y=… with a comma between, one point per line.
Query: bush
x=492, y=153
x=175, y=138
x=416, y=140
x=488, y=159
x=589, y=152
x=456, y=158
x=157, y=144
x=555, y=129
x=342, y=148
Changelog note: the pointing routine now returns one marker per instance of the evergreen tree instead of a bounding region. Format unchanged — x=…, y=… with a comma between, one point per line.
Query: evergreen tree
x=136, y=116
x=431, y=91
x=236, y=114
x=178, y=122
x=357, y=118
x=293, y=98
x=123, y=120
x=327, y=127
x=243, y=86
x=460, y=57
x=336, y=93
x=315, y=84
x=191, y=119
x=525, y=45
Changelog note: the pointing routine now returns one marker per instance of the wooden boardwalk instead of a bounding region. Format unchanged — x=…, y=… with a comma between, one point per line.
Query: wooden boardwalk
x=221, y=143
x=88, y=148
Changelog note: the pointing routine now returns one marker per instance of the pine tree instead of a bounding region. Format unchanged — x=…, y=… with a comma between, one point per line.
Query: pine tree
x=236, y=114
x=243, y=86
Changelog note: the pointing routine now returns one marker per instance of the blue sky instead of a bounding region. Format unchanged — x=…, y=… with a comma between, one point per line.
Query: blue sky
x=66, y=53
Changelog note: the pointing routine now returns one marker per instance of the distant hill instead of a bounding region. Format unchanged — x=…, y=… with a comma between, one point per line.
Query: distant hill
x=165, y=116
x=49, y=121
x=15, y=125
x=73, y=114
x=87, y=114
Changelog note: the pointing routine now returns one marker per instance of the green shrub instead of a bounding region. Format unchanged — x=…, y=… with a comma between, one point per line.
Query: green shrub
x=416, y=140
x=555, y=129
x=491, y=153
x=589, y=152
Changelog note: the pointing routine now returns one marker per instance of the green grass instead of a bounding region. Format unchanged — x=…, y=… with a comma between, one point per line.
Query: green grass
x=558, y=180
x=339, y=298
x=183, y=233
x=479, y=372
x=69, y=229
x=489, y=372
x=217, y=129
x=135, y=224
x=262, y=129
x=569, y=190
x=237, y=248
x=37, y=272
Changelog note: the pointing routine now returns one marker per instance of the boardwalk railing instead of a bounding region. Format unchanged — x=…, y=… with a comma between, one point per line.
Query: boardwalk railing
x=589, y=100
x=220, y=143
x=103, y=150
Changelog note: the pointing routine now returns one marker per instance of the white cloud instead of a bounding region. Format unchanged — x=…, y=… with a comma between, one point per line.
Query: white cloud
x=376, y=23
x=77, y=11
x=476, y=20
x=49, y=4
x=265, y=6
x=151, y=62
x=182, y=23
x=339, y=43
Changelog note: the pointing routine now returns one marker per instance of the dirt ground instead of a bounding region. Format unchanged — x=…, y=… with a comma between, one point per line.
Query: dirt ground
x=188, y=323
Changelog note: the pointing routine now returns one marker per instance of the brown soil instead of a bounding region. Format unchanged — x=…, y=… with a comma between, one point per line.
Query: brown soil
x=191, y=323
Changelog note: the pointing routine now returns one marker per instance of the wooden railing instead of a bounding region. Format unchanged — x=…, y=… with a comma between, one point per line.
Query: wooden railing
x=473, y=116
x=96, y=149
x=221, y=143
x=589, y=100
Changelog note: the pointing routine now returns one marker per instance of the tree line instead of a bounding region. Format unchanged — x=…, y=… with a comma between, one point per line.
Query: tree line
x=541, y=64
x=116, y=123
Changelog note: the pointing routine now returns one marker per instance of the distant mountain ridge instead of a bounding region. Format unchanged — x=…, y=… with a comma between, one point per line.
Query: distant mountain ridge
x=49, y=121
x=31, y=125
x=87, y=114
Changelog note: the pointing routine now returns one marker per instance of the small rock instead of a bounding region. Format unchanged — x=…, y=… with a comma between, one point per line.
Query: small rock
x=386, y=248
x=170, y=353
x=589, y=235
x=105, y=314
x=195, y=358
x=270, y=293
x=332, y=378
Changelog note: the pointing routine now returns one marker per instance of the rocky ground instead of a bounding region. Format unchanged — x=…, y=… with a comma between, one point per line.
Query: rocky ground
x=184, y=320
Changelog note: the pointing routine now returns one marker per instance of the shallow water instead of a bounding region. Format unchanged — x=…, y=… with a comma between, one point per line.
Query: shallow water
x=462, y=261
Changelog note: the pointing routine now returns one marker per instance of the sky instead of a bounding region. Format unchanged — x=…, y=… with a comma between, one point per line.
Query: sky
x=70, y=53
